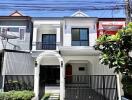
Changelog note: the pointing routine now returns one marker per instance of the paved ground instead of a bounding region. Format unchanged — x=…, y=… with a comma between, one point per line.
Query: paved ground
x=83, y=94
x=52, y=89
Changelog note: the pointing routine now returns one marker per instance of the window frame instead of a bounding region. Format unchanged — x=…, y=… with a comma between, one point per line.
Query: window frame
x=54, y=44
x=80, y=40
x=19, y=27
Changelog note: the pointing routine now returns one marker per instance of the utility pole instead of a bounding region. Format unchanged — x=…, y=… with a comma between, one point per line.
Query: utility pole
x=128, y=11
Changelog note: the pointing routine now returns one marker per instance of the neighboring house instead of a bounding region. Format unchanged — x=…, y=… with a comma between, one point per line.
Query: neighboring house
x=62, y=59
x=109, y=25
x=16, y=63
x=17, y=29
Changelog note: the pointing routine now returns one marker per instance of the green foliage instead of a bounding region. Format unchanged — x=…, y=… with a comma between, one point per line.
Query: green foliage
x=115, y=53
x=46, y=96
x=115, y=49
x=102, y=39
x=17, y=95
x=127, y=85
x=106, y=38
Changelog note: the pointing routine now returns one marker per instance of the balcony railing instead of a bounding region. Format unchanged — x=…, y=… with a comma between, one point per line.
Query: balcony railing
x=45, y=46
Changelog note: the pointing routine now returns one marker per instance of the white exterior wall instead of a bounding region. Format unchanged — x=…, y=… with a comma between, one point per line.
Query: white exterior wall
x=49, y=61
x=93, y=65
x=76, y=66
x=45, y=27
x=68, y=24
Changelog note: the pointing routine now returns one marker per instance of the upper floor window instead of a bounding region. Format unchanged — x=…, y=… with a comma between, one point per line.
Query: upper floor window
x=80, y=36
x=15, y=31
x=48, y=42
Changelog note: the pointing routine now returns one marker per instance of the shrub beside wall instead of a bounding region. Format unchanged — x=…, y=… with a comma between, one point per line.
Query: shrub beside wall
x=17, y=95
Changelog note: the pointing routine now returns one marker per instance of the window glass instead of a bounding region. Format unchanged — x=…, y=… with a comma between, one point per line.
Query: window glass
x=84, y=43
x=75, y=34
x=11, y=29
x=45, y=38
x=53, y=39
x=80, y=37
x=83, y=34
x=49, y=41
x=49, y=38
x=76, y=43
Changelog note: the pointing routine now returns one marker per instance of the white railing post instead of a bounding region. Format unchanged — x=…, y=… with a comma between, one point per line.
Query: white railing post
x=62, y=80
x=34, y=38
x=36, y=82
x=118, y=87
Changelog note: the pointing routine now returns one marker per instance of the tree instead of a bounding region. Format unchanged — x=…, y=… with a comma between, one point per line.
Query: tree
x=115, y=50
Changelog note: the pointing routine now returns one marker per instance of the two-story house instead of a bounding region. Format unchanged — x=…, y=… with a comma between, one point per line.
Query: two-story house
x=55, y=55
x=15, y=46
x=67, y=63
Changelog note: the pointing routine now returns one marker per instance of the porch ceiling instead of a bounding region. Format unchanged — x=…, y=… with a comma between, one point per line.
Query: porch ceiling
x=78, y=51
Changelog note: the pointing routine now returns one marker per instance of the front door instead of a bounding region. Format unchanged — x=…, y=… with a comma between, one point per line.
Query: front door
x=68, y=69
x=50, y=74
x=49, y=41
x=49, y=79
x=68, y=73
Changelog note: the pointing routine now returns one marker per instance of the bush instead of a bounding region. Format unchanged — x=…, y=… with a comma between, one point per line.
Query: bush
x=127, y=86
x=46, y=96
x=17, y=95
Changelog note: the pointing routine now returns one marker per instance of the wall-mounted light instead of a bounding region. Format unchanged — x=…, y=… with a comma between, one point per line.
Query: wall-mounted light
x=36, y=63
x=61, y=63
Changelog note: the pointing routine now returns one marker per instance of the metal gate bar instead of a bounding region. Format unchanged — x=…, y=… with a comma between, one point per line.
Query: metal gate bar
x=91, y=87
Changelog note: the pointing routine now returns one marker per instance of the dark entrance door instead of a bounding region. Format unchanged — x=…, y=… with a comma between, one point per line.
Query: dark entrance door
x=50, y=74
x=69, y=72
x=49, y=41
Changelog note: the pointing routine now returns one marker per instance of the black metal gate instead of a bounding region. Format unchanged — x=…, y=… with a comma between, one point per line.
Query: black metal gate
x=91, y=87
x=41, y=89
x=1, y=81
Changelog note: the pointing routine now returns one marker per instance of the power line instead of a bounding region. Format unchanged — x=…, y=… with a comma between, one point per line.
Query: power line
x=64, y=6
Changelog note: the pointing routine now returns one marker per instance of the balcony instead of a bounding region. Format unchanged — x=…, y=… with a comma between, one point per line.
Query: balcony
x=45, y=46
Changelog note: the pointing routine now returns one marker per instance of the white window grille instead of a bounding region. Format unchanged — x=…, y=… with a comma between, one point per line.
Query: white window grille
x=22, y=33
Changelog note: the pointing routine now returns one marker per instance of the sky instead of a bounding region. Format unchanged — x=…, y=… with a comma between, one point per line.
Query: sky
x=61, y=8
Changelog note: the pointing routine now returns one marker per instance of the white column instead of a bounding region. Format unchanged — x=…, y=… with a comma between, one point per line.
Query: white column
x=58, y=38
x=34, y=38
x=36, y=82
x=118, y=87
x=62, y=81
